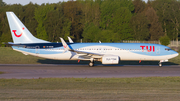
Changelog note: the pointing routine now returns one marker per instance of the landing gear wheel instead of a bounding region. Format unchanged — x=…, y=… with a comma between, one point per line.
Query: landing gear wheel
x=160, y=64
x=91, y=64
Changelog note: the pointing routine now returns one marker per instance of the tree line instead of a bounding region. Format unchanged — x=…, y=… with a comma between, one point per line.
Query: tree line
x=94, y=20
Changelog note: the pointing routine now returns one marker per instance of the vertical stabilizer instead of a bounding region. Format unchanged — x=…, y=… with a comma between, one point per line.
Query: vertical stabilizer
x=19, y=32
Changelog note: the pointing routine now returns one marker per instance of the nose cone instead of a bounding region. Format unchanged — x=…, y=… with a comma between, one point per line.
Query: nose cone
x=175, y=54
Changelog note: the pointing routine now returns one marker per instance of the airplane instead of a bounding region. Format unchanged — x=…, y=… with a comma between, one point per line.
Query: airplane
x=107, y=53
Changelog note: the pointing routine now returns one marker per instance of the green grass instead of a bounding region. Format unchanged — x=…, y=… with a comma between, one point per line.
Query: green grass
x=91, y=89
x=1, y=72
x=9, y=56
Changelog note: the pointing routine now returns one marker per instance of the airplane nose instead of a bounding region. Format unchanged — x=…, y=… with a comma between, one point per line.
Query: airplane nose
x=175, y=54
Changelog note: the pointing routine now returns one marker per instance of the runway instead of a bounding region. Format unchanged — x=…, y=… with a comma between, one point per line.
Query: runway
x=28, y=71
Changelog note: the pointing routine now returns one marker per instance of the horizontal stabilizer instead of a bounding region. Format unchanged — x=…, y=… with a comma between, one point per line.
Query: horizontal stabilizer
x=13, y=44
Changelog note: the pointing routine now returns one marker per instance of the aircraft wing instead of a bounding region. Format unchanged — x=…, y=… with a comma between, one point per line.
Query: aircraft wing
x=82, y=55
x=87, y=54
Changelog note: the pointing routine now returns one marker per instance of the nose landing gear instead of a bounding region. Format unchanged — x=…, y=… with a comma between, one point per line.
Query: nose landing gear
x=160, y=63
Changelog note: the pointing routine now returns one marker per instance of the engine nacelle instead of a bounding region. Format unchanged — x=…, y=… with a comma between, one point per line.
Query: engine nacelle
x=110, y=59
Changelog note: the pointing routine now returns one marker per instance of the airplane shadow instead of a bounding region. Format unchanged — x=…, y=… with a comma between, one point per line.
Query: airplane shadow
x=49, y=61
x=121, y=63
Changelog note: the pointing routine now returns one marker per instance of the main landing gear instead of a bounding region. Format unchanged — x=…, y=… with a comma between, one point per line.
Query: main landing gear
x=160, y=64
x=91, y=64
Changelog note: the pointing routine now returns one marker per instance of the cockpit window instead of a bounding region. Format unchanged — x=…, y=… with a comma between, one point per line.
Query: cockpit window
x=168, y=49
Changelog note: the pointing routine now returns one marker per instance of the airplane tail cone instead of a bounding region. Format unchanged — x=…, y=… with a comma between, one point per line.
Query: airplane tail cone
x=19, y=32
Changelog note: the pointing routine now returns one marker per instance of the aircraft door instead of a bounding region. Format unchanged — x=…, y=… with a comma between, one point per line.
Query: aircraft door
x=37, y=49
x=157, y=50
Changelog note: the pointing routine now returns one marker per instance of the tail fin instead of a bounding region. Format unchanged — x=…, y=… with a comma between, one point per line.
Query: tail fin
x=19, y=32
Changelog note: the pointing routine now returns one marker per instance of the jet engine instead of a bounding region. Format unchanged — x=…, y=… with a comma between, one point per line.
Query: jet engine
x=110, y=59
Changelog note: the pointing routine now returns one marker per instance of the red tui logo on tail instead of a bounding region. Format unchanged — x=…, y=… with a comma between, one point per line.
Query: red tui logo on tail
x=14, y=31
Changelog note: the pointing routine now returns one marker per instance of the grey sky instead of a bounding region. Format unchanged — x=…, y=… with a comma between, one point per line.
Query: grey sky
x=24, y=2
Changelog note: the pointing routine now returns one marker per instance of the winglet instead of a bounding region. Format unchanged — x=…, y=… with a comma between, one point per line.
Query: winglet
x=66, y=47
x=70, y=40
